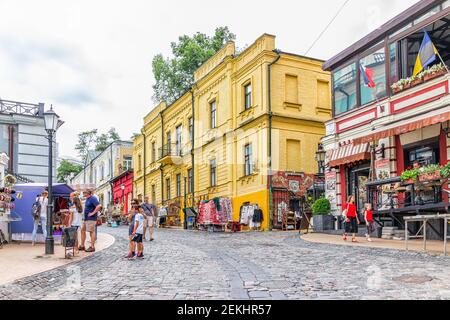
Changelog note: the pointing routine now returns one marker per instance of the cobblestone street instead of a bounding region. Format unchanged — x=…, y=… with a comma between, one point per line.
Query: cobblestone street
x=194, y=265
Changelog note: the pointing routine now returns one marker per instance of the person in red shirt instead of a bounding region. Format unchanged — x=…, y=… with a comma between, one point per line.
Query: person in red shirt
x=370, y=223
x=351, y=219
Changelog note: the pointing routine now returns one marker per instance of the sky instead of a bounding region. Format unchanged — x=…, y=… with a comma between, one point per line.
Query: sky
x=92, y=59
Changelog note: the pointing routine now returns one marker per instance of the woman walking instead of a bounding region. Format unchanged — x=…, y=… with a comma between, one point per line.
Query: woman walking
x=76, y=214
x=351, y=219
x=42, y=219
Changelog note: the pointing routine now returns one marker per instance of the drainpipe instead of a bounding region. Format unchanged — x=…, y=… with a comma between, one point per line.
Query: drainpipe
x=145, y=161
x=192, y=146
x=269, y=97
x=162, y=166
x=111, y=172
x=11, y=149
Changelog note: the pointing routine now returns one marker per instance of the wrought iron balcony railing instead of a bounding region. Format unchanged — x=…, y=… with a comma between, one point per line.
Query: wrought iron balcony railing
x=172, y=150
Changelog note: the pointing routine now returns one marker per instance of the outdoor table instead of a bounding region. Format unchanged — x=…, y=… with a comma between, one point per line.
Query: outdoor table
x=424, y=220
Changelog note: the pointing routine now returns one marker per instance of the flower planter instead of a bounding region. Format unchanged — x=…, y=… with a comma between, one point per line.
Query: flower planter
x=409, y=181
x=430, y=176
x=396, y=90
x=434, y=75
x=416, y=82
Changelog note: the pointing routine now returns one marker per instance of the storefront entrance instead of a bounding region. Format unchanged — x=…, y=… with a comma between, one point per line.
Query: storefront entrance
x=357, y=179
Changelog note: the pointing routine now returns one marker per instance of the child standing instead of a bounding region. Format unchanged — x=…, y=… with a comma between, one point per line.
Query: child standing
x=138, y=232
x=370, y=223
x=131, y=220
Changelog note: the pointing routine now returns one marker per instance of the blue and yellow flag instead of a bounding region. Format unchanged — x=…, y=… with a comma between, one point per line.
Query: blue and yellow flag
x=427, y=54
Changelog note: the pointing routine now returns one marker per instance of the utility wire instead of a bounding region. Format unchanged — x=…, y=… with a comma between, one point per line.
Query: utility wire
x=326, y=28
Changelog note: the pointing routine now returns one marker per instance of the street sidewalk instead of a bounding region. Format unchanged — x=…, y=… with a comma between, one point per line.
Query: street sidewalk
x=20, y=260
x=433, y=247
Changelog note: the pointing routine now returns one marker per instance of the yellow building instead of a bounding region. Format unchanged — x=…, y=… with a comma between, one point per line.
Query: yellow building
x=248, y=114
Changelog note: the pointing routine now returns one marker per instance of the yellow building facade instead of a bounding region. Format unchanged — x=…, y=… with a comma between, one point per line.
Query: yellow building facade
x=250, y=119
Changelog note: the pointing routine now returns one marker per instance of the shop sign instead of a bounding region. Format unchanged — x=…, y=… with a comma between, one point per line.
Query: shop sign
x=382, y=168
x=294, y=186
x=330, y=189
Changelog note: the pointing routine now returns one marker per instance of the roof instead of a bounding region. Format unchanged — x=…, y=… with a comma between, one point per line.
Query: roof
x=123, y=174
x=379, y=34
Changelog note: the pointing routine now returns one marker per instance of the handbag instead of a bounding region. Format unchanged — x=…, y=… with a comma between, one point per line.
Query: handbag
x=99, y=221
x=344, y=213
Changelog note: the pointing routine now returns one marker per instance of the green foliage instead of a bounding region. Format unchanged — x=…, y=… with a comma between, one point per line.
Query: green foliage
x=432, y=168
x=66, y=169
x=92, y=140
x=321, y=207
x=176, y=75
x=410, y=175
x=445, y=171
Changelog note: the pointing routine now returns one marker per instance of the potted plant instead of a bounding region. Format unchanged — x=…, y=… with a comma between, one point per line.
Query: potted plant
x=416, y=80
x=410, y=176
x=445, y=171
x=430, y=173
x=322, y=220
x=435, y=71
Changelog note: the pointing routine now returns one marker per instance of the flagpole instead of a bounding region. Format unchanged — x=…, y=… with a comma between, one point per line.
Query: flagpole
x=442, y=60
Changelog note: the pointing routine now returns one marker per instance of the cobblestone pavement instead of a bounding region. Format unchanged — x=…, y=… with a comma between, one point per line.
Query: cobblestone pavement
x=198, y=265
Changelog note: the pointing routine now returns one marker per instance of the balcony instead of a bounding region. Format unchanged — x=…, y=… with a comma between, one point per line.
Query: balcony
x=172, y=154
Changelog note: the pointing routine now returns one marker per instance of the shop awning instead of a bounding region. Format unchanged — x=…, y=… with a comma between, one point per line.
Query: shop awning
x=407, y=125
x=348, y=154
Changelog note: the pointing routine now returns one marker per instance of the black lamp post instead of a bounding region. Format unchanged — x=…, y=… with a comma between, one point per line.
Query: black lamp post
x=52, y=124
x=185, y=210
x=319, y=181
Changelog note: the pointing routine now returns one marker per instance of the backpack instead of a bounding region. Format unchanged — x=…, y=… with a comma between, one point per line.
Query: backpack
x=36, y=210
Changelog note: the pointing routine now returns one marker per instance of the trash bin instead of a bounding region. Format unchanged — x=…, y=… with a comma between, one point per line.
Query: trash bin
x=69, y=239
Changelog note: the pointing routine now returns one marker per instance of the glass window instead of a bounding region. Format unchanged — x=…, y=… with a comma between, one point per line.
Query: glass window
x=127, y=162
x=190, y=180
x=179, y=132
x=373, y=76
x=439, y=32
x=409, y=25
x=178, y=185
x=168, y=188
x=213, y=116
x=213, y=172
x=139, y=163
x=344, y=81
x=153, y=194
x=394, y=64
x=248, y=159
x=248, y=96
x=169, y=143
x=430, y=13
x=191, y=128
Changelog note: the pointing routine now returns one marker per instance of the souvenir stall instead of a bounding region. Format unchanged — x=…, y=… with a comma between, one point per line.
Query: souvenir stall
x=215, y=214
x=251, y=216
x=21, y=230
x=8, y=197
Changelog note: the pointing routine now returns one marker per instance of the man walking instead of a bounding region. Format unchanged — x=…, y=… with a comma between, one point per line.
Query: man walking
x=91, y=209
x=150, y=213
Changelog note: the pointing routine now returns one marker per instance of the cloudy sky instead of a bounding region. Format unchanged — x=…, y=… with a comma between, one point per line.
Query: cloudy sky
x=92, y=59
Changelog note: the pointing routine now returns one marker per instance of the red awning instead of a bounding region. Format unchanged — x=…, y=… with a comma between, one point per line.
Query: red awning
x=405, y=126
x=348, y=154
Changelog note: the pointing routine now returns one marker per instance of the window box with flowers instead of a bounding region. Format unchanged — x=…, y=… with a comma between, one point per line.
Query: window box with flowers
x=426, y=75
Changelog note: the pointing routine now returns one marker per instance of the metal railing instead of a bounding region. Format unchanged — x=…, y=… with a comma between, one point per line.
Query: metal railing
x=172, y=150
x=19, y=177
x=21, y=108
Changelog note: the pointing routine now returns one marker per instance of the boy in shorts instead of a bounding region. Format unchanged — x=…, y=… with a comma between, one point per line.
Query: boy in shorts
x=138, y=232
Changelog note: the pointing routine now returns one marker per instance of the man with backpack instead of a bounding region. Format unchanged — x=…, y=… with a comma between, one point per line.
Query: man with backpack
x=39, y=213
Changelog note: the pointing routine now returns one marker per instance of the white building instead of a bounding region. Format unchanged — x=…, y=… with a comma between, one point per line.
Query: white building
x=102, y=167
x=24, y=139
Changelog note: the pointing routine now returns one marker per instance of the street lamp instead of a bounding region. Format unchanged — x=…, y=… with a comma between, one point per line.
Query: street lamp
x=52, y=124
x=320, y=158
x=122, y=187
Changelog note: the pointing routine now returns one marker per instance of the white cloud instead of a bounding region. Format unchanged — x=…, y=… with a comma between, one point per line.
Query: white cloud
x=92, y=59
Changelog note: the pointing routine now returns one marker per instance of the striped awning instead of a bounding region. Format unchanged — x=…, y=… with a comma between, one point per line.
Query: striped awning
x=348, y=154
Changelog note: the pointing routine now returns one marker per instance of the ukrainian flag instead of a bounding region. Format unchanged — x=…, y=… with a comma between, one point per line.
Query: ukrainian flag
x=427, y=54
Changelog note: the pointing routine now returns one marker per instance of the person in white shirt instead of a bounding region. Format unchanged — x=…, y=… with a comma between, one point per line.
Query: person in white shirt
x=76, y=214
x=43, y=201
x=138, y=232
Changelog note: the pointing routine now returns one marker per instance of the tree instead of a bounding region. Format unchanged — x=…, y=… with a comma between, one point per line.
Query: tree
x=92, y=140
x=66, y=169
x=105, y=139
x=175, y=76
x=85, y=140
